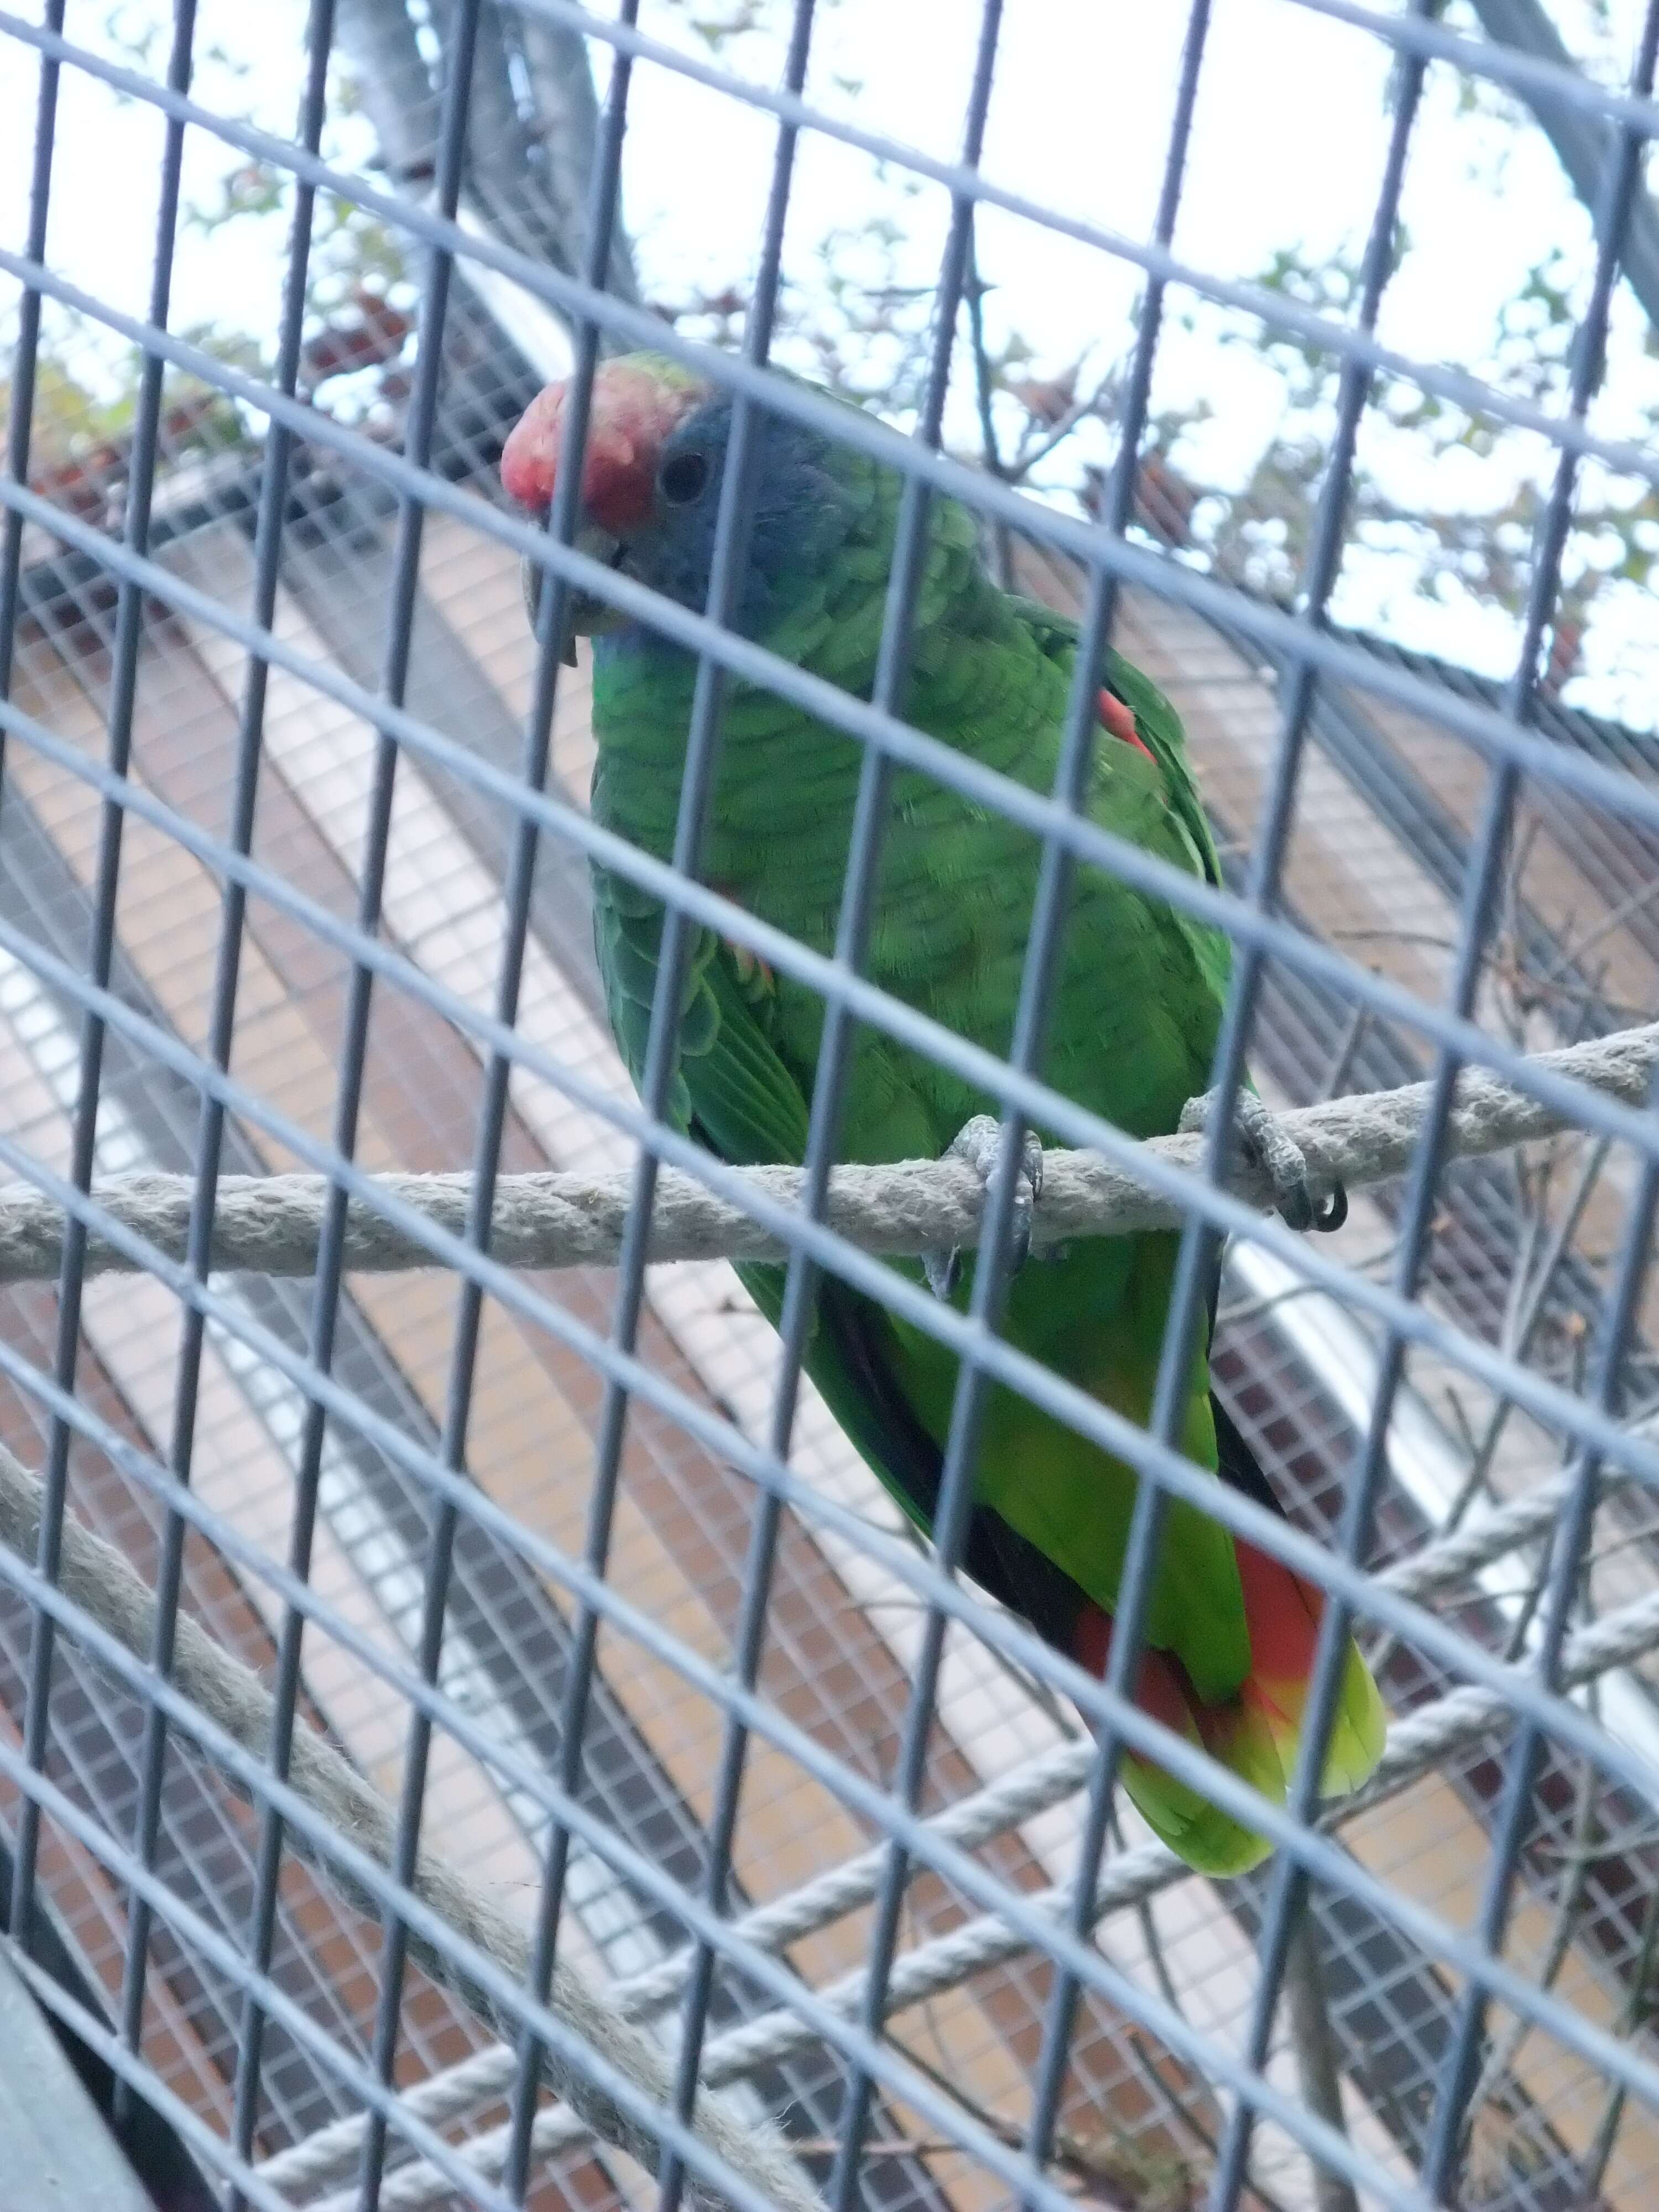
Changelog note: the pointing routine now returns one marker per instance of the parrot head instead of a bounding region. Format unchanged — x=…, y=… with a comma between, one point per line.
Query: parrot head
x=657, y=439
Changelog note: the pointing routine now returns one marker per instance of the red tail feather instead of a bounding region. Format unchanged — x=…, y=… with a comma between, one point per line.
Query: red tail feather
x=1255, y=1731
x=1120, y=720
x=1282, y=1613
x=1162, y=1689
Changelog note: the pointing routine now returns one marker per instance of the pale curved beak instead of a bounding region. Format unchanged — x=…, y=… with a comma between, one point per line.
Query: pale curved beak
x=584, y=613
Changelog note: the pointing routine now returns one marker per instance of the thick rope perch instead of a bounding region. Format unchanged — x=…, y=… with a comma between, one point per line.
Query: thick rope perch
x=1421, y=1741
x=331, y=2155
x=94, y=1577
x=271, y=1224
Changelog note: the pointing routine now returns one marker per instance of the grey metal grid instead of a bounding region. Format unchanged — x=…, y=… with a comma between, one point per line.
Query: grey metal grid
x=486, y=1578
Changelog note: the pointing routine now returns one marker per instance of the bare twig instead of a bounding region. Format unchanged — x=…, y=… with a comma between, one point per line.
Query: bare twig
x=1636, y=2008
x=1500, y=2062
x=1317, y=2067
x=984, y=388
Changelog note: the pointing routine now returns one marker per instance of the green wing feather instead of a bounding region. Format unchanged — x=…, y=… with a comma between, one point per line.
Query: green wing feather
x=733, y=1093
x=747, y=1051
x=1156, y=720
x=1052, y=1512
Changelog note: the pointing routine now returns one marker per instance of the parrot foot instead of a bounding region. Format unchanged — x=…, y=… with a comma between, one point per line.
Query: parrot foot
x=978, y=1142
x=1265, y=1145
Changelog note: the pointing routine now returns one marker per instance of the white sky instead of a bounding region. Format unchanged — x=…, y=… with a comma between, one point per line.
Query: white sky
x=1286, y=152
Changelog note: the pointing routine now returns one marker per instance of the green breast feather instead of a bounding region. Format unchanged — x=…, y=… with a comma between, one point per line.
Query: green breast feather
x=1134, y=1005
x=1134, y=1018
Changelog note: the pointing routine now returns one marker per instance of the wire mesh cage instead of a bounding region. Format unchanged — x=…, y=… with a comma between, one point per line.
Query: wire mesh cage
x=612, y=628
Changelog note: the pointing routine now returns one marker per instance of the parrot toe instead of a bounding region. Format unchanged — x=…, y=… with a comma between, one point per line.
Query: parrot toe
x=1267, y=1144
x=978, y=1142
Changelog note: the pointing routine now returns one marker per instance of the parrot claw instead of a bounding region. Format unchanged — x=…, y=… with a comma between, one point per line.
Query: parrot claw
x=978, y=1142
x=1265, y=1145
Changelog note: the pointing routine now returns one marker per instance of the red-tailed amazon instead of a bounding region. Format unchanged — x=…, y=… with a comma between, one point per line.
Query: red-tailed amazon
x=1136, y=1003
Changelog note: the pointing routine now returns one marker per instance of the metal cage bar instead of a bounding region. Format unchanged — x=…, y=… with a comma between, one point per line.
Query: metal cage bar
x=1071, y=2010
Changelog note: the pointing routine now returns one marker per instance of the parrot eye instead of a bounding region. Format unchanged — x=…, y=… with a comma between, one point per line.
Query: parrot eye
x=683, y=478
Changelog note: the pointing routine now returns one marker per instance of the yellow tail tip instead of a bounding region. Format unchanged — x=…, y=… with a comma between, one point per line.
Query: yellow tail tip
x=1255, y=1735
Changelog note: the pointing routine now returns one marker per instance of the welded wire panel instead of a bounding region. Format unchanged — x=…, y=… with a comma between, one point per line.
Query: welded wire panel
x=1301, y=354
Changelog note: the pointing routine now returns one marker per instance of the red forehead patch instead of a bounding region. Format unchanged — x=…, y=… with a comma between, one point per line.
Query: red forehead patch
x=634, y=409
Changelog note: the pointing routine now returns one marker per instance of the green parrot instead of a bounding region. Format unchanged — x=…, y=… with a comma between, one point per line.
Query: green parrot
x=1136, y=1007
